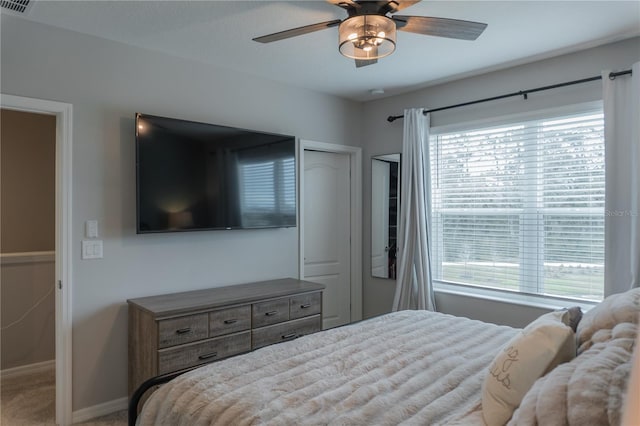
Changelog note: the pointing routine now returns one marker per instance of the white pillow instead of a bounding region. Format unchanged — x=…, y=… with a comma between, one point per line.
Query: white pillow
x=529, y=355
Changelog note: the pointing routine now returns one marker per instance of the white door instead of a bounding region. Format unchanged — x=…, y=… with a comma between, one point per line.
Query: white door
x=380, y=173
x=327, y=231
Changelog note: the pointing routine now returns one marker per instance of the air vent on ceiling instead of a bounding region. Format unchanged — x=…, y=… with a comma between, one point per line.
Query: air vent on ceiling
x=17, y=7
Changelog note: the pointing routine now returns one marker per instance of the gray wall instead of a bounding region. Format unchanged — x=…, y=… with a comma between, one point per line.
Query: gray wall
x=381, y=137
x=107, y=83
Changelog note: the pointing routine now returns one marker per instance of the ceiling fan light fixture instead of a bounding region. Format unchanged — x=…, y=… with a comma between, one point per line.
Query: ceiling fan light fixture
x=367, y=37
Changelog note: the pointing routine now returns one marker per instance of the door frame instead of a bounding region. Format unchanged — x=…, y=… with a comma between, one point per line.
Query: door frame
x=355, y=160
x=63, y=245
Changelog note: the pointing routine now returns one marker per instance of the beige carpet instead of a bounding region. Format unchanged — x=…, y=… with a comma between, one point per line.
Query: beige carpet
x=29, y=400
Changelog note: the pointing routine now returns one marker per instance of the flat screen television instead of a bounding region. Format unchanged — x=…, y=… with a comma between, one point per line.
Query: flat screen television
x=196, y=176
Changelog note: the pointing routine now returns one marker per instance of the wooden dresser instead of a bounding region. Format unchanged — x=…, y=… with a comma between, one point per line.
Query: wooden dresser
x=175, y=331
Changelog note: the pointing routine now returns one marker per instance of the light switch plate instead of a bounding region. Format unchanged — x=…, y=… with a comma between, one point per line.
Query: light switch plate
x=92, y=249
x=91, y=229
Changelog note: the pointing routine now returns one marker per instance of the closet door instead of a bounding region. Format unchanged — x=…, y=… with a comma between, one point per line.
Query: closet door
x=327, y=231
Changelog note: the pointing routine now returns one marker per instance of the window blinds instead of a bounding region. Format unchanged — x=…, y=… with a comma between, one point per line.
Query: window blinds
x=521, y=207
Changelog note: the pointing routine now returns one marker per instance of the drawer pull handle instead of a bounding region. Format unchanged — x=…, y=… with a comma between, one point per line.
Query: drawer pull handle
x=183, y=330
x=230, y=321
x=305, y=306
x=289, y=336
x=271, y=313
x=207, y=356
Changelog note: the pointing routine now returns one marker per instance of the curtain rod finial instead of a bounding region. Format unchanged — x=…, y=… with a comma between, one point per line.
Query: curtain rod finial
x=391, y=118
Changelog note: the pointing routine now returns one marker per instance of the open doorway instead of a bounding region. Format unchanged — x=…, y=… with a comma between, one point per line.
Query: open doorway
x=62, y=259
x=27, y=273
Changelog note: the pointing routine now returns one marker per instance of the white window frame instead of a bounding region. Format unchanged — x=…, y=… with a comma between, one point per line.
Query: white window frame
x=522, y=297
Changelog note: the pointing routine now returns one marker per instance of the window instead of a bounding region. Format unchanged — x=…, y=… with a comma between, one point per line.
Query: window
x=520, y=207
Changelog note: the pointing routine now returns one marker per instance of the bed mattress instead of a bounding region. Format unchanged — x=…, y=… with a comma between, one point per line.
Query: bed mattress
x=408, y=367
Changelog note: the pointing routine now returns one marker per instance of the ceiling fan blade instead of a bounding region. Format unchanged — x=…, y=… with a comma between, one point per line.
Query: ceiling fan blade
x=297, y=31
x=439, y=27
x=364, y=62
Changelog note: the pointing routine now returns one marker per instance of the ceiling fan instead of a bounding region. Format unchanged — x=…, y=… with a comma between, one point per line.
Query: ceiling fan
x=369, y=32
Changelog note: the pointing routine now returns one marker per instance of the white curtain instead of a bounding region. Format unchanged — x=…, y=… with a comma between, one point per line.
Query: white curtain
x=414, y=289
x=622, y=173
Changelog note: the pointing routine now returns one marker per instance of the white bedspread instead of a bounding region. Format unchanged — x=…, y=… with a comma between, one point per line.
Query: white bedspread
x=409, y=367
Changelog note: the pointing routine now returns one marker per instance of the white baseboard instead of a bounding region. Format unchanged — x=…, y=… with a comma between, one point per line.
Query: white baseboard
x=38, y=367
x=99, y=410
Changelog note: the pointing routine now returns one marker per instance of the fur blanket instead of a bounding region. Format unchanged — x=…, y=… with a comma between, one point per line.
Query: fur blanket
x=409, y=367
x=590, y=389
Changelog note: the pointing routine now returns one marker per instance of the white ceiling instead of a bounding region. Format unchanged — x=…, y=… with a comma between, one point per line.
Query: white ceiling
x=220, y=33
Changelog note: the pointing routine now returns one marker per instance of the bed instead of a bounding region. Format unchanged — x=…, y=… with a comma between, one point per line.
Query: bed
x=408, y=367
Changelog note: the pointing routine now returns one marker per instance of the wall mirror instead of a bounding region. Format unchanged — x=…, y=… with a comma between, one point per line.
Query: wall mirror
x=385, y=206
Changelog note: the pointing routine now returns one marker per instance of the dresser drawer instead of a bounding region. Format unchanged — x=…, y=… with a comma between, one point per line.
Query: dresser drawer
x=286, y=331
x=227, y=321
x=270, y=312
x=184, y=356
x=176, y=331
x=305, y=305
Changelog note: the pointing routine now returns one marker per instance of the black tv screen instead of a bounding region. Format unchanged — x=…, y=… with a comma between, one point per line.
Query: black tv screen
x=196, y=176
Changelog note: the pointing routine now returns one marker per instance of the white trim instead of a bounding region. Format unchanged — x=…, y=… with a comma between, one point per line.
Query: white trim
x=355, y=156
x=24, y=370
x=27, y=257
x=100, y=410
x=514, y=298
x=63, y=253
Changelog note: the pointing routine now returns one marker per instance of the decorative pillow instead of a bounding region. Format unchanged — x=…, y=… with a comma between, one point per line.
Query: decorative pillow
x=537, y=349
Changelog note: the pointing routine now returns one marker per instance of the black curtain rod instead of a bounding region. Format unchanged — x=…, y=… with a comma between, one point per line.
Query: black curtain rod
x=524, y=93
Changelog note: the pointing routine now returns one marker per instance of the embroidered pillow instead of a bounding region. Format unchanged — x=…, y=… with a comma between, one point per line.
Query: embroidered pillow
x=529, y=355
